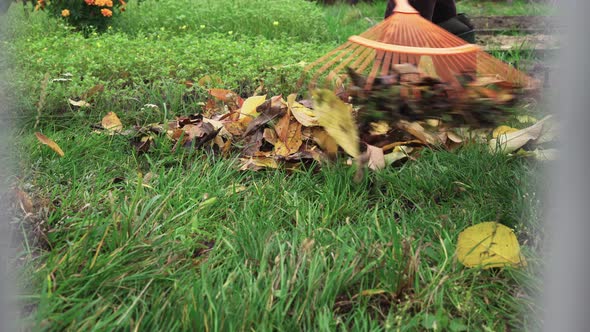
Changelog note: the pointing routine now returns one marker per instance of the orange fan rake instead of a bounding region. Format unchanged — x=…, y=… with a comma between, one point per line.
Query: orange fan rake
x=406, y=37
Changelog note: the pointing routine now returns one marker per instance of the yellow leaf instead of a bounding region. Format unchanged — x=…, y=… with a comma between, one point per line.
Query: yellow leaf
x=81, y=103
x=304, y=115
x=514, y=140
x=502, y=130
x=336, y=117
x=258, y=163
x=399, y=152
x=379, y=128
x=489, y=244
x=416, y=130
x=371, y=292
x=248, y=110
x=111, y=122
x=288, y=132
x=50, y=143
x=325, y=141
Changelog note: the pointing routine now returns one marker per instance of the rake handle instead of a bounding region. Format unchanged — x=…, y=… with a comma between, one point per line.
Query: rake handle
x=403, y=6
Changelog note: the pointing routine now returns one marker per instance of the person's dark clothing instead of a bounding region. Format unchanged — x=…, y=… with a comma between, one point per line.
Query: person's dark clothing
x=436, y=11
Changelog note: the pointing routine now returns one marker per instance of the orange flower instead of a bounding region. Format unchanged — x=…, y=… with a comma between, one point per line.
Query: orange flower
x=40, y=5
x=106, y=12
x=89, y=2
x=109, y=3
x=65, y=13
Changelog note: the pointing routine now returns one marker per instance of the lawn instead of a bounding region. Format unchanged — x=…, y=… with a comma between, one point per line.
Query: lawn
x=179, y=240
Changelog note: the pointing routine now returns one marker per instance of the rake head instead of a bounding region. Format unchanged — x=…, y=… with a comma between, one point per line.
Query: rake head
x=407, y=38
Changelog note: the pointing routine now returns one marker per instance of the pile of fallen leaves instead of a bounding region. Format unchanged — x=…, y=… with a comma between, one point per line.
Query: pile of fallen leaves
x=391, y=121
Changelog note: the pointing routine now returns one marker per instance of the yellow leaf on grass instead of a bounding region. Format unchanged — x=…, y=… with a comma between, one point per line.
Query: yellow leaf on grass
x=514, y=140
x=248, y=110
x=489, y=244
x=50, y=143
x=80, y=103
x=336, y=117
x=399, y=152
x=258, y=163
x=502, y=130
x=111, y=122
x=304, y=115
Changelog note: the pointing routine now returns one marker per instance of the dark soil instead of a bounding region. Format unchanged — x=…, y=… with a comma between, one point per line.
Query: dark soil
x=523, y=24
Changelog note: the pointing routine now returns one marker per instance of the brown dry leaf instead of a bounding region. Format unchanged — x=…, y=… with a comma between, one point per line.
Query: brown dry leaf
x=142, y=144
x=267, y=115
x=223, y=94
x=282, y=126
x=112, y=123
x=336, y=117
x=450, y=139
x=453, y=137
x=50, y=143
x=304, y=115
x=252, y=143
x=175, y=134
x=416, y=130
x=235, y=128
x=92, y=91
x=270, y=135
x=376, y=158
x=25, y=201
x=218, y=125
x=199, y=134
x=292, y=143
x=80, y=103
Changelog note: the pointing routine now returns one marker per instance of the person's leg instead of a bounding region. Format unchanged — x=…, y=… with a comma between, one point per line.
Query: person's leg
x=425, y=7
x=444, y=10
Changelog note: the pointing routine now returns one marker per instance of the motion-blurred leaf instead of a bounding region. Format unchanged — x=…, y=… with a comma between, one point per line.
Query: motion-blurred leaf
x=336, y=117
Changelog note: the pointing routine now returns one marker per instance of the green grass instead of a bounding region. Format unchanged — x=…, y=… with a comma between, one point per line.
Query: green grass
x=292, y=251
x=183, y=241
